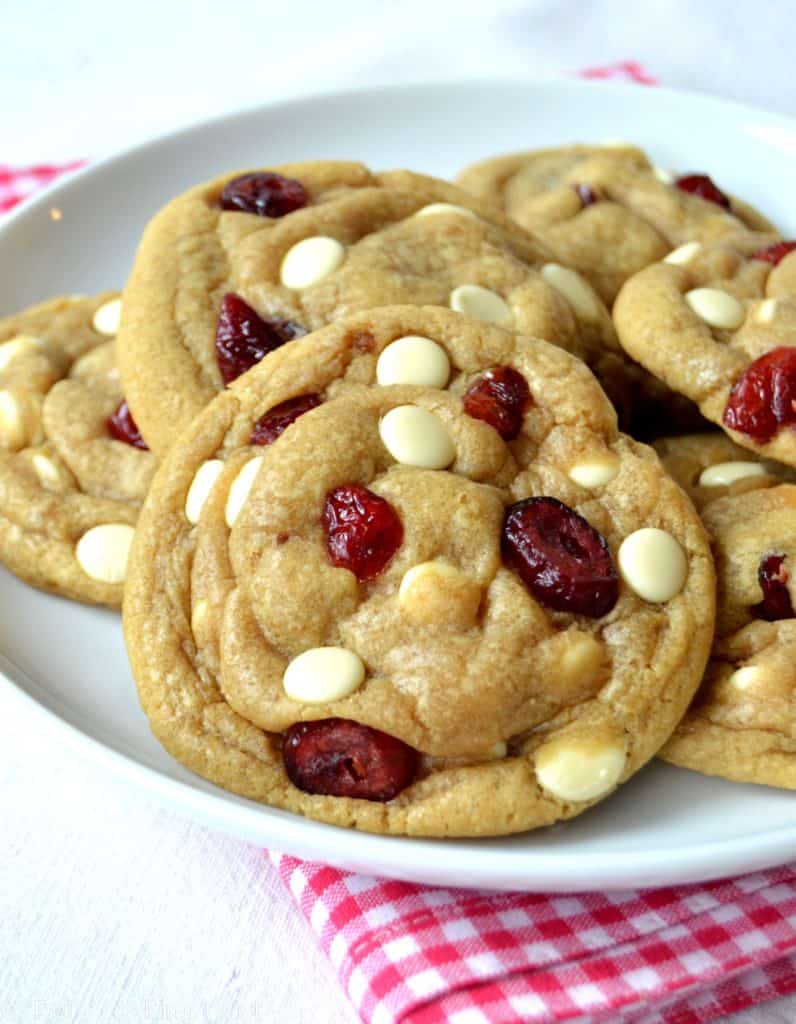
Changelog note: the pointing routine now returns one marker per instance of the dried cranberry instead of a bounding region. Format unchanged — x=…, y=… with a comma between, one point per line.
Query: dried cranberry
x=764, y=397
x=265, y=194
x=243, y=337
x=588, y=196
x=336, y=757
x=276, y=421
x=775, y=253
x=562, y=559
x=363, y=530
x=122, y=427
x=704, y=187
x=773, y=577
x=500, y=398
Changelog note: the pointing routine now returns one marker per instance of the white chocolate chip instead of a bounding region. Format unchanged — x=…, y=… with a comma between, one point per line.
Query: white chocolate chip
x=21, y=345
x=20, y=419
x=414, y=360
x=310, y=260
x=201, y=486
x=725, y=473
x=653, y=564
x=12, y=426
x=575, y=769
x=683, y=253
x=433, y=208
x=239, y=490
x=715, y=307
x=573, y=288
x=323, y=674
x=746, y=678
x=664, y=176
x=481, y=304
x=416, y=437
x=498, y=750
x=435, y=593
x=766, y=311
x=107, y=317
x=199, y=614
x=46, y=470
x=583, y=657
x=595, y=471
x=102, y=552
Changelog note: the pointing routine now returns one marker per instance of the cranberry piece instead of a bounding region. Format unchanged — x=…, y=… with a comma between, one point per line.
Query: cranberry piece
x=276, y=421
x=243, y=337
x=264, y=194
x=122, y=427
x=588, y=196
x=336, y=757
x=363, y=530
x=561, y=559
x=500, y=399
x=704, y=187
x=764, y=397
x=775, y=253
x=773, y=577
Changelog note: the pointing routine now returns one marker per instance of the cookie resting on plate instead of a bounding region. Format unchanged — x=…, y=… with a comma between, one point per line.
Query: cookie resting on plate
x=605, y=210
x=405, y=575
x=710, y=466
x=742, y=724
x=717, y=322
x=239, y=266
x=73, y=467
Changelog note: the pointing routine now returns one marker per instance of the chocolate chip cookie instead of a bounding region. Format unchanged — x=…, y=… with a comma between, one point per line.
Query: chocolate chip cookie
x=742, y=724
x=717, y=323
x=73, y=467
x=406, y=576
x=241, y=265
x=605, y=210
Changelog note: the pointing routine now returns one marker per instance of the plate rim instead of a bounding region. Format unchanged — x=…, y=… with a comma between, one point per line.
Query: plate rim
x=552, y=870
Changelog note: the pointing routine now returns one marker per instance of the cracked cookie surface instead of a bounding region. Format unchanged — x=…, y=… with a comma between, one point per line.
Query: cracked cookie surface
x=718, y=327
x=711, y=466
x=70, y=486
x=360, y=240
x=451, y=546
x=605, y=210
x=741, y=725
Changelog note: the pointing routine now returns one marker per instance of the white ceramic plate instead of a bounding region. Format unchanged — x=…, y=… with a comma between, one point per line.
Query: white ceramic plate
x=666, y=825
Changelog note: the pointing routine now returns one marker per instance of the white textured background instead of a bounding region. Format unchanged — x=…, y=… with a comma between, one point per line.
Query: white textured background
x=111, y=909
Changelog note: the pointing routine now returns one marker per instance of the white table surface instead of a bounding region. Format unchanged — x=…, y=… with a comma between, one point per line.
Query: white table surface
x=112, y=909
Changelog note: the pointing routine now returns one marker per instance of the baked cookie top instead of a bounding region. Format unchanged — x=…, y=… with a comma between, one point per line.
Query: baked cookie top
x=742, y=724
x=710, y=466
x=716, y=322
x=405, y=575
x=605, y=210
x=239, y=266
x=73, y=468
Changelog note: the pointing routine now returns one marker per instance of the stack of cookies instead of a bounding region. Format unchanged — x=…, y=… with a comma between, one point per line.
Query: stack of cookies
x=363, y=454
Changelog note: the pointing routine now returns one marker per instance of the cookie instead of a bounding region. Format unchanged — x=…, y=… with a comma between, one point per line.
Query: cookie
x=241, y=265
x=711, y=466
x=406, y=576
x=742, y=725
x=73, y=469
x=717, y=322
x=605, y=210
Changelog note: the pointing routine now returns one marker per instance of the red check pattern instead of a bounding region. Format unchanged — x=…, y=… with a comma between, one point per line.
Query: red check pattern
x=419, y=955
x=423, y=955
x=17, y=183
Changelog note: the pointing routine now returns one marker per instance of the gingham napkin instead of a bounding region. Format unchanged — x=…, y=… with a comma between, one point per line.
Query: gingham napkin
x=420, y=955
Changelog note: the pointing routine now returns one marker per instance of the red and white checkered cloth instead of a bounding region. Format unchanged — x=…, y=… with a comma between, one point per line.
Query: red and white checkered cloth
x=420, y=955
